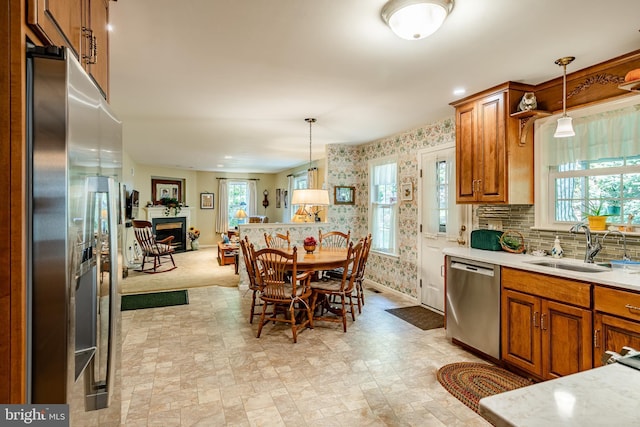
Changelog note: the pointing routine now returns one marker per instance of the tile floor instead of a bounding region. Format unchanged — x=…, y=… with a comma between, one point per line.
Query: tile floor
x=201, y=365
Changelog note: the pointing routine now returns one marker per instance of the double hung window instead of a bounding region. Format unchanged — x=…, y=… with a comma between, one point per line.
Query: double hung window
x=383, y=212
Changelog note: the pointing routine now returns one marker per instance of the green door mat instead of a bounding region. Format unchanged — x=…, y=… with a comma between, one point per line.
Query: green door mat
x=155, y=299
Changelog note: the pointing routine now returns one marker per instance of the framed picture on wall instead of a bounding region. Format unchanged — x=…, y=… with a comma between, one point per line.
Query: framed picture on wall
x=285, y=195
x=406, y=191
x=278, y=197
x=166, y=189
x=344, y=195
x=206, y=200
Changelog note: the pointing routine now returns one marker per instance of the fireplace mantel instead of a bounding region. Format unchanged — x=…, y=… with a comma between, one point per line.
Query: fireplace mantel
x=158, y=212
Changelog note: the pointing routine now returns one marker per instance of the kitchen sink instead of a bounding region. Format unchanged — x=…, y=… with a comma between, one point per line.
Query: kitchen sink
x=572, y=267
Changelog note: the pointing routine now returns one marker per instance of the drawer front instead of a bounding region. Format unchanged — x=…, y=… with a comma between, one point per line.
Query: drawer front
x=546, y=286
x=617, y=302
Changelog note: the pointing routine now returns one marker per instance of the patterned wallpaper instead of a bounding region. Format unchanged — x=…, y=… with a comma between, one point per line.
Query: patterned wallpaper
x=348, y=165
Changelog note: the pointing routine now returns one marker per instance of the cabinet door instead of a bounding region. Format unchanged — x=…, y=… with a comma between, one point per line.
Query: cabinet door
x=58, y=22
x=95, y=46
x=566, y=339
x=491, y=149
x=521, y=331
x=466, y=149
x=613, y=333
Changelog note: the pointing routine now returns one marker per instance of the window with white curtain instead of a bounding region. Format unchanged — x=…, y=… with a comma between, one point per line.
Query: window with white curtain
x=596, y=170
x=238, y=196
x=383, y=208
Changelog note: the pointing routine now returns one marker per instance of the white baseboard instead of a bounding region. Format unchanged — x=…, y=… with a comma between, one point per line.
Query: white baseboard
x=384, y=289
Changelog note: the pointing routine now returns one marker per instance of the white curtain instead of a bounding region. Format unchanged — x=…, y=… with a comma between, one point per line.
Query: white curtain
x=289, y=212
x=252, y=208
x=598, y=136
x=222, y=225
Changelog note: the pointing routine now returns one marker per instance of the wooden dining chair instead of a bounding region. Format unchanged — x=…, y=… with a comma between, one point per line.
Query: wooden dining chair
x=334, y=239
x=254, y=284
x=342, y=287
x=280, y=241
x=289, y=297
x=152, y=248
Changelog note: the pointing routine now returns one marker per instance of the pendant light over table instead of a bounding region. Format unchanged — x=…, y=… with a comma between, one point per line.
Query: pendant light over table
x=309, y=197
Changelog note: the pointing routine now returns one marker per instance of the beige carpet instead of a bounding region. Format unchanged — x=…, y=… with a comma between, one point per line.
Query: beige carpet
x=195, y=269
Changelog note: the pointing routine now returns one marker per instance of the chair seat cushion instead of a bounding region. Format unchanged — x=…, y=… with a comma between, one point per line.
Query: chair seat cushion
x=288, y=291
x=336, y=273
x=329, y=285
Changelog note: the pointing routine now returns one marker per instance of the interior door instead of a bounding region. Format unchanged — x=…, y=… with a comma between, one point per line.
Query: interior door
x=442, y=223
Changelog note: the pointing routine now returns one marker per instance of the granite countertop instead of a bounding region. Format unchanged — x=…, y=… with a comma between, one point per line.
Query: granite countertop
x=608, y=395
x=608, y=276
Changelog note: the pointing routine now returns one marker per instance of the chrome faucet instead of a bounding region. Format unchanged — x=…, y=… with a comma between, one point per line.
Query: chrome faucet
x=625, y=255
x=593, y=245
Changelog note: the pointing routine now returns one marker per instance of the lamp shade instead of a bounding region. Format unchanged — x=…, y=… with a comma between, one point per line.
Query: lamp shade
x=415, y=19
x=240, y=214
x=310, y=197
x=565, y=128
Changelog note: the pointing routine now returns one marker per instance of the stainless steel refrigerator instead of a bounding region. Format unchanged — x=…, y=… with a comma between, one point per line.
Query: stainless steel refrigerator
x=75, y=207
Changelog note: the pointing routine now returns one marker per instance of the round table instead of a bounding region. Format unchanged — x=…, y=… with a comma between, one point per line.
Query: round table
x=321, y=259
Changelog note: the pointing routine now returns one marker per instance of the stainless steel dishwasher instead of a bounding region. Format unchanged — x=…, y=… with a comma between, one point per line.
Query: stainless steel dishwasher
x=473, y=304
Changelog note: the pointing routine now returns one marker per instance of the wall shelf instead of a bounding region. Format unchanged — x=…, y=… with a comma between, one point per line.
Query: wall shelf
x=526, y=119
x=632, y=86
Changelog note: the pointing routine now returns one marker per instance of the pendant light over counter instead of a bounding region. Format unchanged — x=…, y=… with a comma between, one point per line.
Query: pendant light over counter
x=565, y=126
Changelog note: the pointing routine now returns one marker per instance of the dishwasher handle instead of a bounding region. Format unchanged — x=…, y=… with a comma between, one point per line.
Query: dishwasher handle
x=472, y=268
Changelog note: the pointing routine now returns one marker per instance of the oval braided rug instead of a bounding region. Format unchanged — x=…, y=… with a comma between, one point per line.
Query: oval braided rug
x=469, y=382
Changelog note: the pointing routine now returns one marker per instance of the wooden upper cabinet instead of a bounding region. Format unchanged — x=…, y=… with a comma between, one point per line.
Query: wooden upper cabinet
x=57, y=22
x=96, y=61
x=492, y=166
x=80, y=25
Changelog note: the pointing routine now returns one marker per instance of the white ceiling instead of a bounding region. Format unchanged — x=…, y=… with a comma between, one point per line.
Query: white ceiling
x=225, y=85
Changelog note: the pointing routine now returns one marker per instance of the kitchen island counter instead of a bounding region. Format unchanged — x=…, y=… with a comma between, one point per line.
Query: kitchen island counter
x=608, y=395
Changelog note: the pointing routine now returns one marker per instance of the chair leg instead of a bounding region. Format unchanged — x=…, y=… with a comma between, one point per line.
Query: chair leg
x=264, y=311
x=253, y=306
x=294, y=329
x=361, y=294
x=309, y=315
x=353, y=313
x=343, y=313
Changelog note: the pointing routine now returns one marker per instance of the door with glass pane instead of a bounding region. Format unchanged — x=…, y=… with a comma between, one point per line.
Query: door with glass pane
x=443, y=223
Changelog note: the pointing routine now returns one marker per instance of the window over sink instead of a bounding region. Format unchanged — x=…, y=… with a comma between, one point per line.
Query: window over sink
x=597, y=171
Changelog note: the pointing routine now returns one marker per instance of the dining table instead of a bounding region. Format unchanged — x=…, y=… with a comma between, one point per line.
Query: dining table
x=321, y=259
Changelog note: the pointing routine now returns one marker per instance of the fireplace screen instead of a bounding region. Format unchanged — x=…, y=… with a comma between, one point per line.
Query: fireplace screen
x=176, y=227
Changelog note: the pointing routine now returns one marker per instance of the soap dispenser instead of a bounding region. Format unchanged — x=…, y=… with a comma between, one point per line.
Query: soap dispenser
x=556, y=251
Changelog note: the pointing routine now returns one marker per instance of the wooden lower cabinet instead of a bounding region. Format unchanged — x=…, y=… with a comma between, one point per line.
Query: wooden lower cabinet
x=541, y=336
x=613, y=333
x=616, y=321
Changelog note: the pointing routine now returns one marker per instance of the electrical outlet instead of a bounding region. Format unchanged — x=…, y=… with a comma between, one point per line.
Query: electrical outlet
x=494, y=224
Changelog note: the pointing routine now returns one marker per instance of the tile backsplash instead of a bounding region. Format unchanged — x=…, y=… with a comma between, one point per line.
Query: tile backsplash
x=520, y=218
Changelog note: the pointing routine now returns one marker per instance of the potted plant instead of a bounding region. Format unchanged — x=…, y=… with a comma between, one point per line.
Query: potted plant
x=194, y=234
x=596, y=215
x=170, y=204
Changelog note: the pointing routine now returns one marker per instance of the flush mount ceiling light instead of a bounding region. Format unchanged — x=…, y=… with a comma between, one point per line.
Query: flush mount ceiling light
x=565, y=128
x=415, y=19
